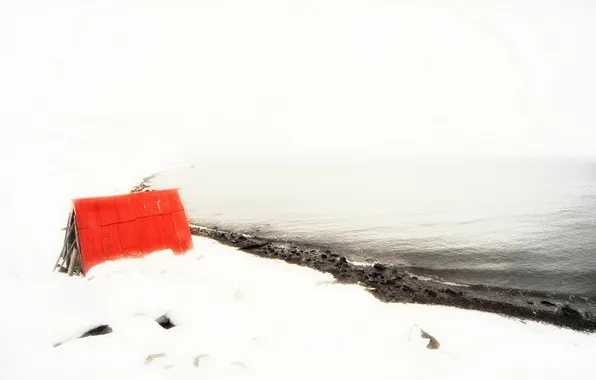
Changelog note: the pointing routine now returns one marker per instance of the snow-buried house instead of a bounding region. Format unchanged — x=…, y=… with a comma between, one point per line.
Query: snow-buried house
x=123, y=226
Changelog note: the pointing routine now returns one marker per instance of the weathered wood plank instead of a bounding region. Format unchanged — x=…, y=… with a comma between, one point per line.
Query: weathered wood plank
x=72, y=261
x=64, y=244
x=78, y=244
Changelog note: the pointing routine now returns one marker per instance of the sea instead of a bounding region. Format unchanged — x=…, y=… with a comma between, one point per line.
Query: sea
x=521, y=223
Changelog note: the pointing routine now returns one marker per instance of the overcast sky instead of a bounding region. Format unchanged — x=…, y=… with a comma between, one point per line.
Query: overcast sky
x=194, y=79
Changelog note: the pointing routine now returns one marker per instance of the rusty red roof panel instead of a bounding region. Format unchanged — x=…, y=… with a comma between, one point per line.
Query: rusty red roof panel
x=124, y=209
x=129, y=239
x=107, y=213
x=131, y=225
x=86, y=207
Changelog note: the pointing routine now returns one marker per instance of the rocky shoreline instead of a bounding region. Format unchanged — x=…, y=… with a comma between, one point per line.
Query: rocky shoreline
x=393, y=284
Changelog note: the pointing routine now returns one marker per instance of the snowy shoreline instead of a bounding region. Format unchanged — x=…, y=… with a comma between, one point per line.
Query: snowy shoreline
x=252, y=317
x=390, y=283
x=393, y=284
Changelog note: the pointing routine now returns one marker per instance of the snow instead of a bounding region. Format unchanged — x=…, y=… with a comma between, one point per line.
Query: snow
x=254, y=318
x=81, y=124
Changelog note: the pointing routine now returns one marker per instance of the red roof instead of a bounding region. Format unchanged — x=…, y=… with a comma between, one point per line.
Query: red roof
x=131, y=225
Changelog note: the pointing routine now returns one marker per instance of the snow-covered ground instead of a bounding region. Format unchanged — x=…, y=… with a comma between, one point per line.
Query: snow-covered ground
x=96, y=95
x=241, y=315
x=249, y=317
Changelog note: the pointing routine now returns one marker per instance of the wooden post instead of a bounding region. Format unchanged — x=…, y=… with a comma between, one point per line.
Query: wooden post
x=78, y=246
x=78, y=265
x=72, y=260
x=64, y=244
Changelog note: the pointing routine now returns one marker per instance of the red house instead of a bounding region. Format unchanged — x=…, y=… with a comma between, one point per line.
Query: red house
x=123, y=226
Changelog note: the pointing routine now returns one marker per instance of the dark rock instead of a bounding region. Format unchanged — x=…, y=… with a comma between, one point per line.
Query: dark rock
x=327, y=251
x=342, y=260
x=254, y=246
x=406, y=288
x=414, y=278
x=165, y=322
x=547, y=303
x=530, y=302
x=99, y=330
x=323, y=256
x=450, y=292
x=570, y=312
x=430, y=292
x=379, y=266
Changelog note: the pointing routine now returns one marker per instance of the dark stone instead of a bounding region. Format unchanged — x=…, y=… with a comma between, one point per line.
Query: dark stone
x=342, y=260
x=414, y=278
x=254, y=246
x=99, y=330
x=530, y=302
x=323, y=256
x=165, y=322
x=450, y=292
x=430, y=292
x=570, y=312
x=406, y=288
x=327, y=251
x=547, y=303
x=379, y=266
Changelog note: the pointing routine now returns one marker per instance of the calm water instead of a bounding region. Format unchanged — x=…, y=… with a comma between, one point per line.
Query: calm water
x=527, y=224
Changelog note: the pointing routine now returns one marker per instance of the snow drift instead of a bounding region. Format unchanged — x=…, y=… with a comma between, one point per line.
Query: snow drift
x=243, y=316
x=95, y=101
